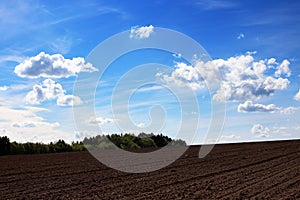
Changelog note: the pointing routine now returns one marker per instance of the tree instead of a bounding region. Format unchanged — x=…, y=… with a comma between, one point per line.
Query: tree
x=4, y=145
x=161, y=140
x=62, y=146
x=78, y=146
x=147, y=142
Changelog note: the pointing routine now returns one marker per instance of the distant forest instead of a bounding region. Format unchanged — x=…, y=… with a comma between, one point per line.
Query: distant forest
x=124, y=141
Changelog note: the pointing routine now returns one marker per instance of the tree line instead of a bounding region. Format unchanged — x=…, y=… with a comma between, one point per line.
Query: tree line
x=130, y=141
x=7, y=147
x=124, y=141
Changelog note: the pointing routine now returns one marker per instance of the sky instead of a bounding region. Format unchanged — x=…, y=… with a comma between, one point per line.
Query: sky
x=47, y=47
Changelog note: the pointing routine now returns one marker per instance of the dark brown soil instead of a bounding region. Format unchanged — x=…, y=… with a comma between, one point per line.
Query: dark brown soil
x=269, y=170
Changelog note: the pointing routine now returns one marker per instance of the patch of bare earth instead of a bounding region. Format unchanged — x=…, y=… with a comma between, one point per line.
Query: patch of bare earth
x=269, y=170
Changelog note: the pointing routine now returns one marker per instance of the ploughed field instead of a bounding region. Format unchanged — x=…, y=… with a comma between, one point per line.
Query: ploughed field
x=269, y=170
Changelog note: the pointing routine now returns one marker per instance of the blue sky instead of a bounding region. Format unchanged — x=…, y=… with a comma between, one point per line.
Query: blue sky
x=45, y=47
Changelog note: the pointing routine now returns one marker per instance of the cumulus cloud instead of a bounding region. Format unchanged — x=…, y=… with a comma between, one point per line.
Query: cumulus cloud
x=185, y=75
x=100, y=121
x=246, y=79
x=283, y=69
x=260, y=131
x=141, y=32
x=52, y=66
x=240, y=36
x=249, y=106
x=272, y=61
x=3, y=88
x=68, y=100
x=241, y=78
x=297, y=96
x=50, y=90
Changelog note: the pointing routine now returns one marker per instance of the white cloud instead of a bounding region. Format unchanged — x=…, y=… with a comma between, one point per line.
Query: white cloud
x=140, y=125
x=246, y=79
x=68, y=100
x=25, y=124
x=18, y=87
x=50, y=90
x=249, y=106
x=177, y=55
x=29, y=125
x=150, y=88
x=14, y=58
x=16, y=125
x=47, y=91
x=260, y=131
x=282, y=130
x=232, y=136
x=250, y=53
x=34, y=124
x=241, y=78
x=240, y=36
x=3, y=88
x=185, y=75
x=272, y=61
x=100, y=121
x=36, y=109
x=297, y=96
x=141, y=32
x=289, y=110
x=52, y=66
x=283, y=69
